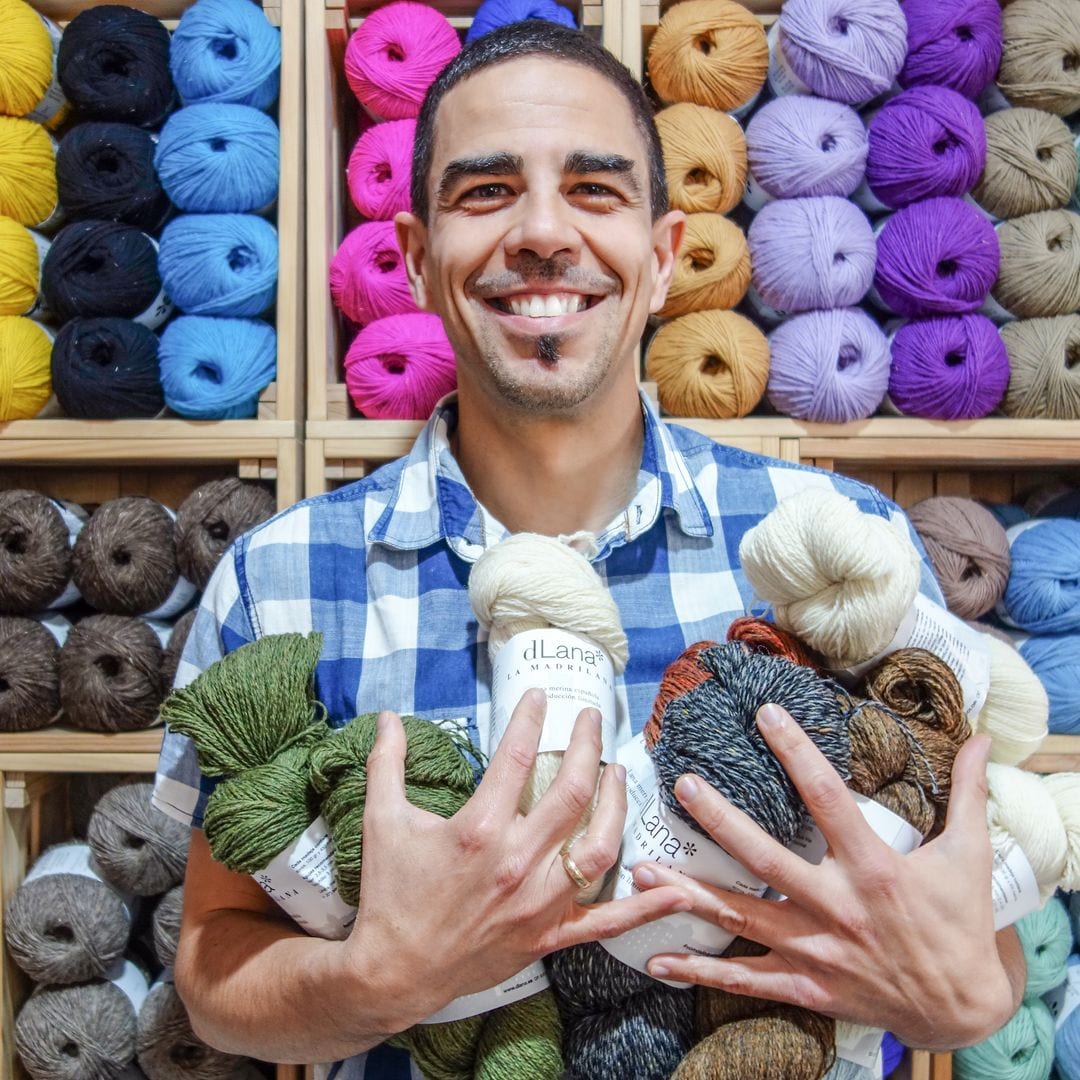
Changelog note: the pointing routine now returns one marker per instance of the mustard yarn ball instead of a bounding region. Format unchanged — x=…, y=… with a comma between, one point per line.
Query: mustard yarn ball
x=25, y=357
x=704, y=158
x=712, y=269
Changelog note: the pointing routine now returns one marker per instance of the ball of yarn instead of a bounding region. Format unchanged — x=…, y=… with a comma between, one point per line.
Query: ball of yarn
x=26, y=59
x=1067, y=1047
x=492, y=14
x=926, y=141
x=811, y=253
x=226, y=51
x=709, y=364
x=1041, y=596
x=397, y=368
x=1021, y=809
x=167, y=916
x=704, y=158
x=35, y=552
x=220, y=264
x=1044, y=376
x=799, y=145
x=710, y=52
x=936, y=257
x=367, y=274
x=713, y=266
x=1016, y=708
x=25, y=352
x=1040, y=264
x=954, y=367
x=211, y=518
x=379, y=168
x=21, y=254
x=29, y=679
x=106, y=369
x=1039, y=60
x=1022, y=1050
x=828, y=366
x=847, y=50
x=27, y=172
x=1055, y=658
x=1064, y=789
x=1031, y=163
x=1046, y=938
x=1053, y=500
x=968, y=549
x=215, y=368
x=395, y=55
x=170, y=661
x=956, y=45
x=113, y=64
x=219, y=158
x=106, y=170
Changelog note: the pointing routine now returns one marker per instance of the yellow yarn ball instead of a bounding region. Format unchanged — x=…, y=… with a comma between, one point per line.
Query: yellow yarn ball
x=20, y=268
x=713, y=267
x=25, y=357
x=26, y=58
x=27, y=171
x=704, y=158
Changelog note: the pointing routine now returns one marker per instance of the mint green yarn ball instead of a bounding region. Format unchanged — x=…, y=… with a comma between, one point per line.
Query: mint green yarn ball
x=1046, y=938
x=1022, y=1050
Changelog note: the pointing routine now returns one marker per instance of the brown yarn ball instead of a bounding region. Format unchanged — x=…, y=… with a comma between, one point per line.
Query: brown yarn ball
x=211, y=518
x=709, y=364
x=968, y=549
x=709, y=52
x=712, y=269
x=1030, y=163
x=1044, y=368
x=173, y=651
x=84, y=790
x=1040, y=60
x=29, y=677
x=110, y=674
x=35, y=552
x=1040, y=264
x=704, y=158
x=167, y=916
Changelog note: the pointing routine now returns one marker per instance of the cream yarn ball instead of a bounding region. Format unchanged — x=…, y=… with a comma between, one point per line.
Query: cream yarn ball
x=1064, y=789
x=1016, y=710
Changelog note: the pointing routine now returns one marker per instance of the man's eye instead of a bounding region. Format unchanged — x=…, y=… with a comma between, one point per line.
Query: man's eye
x=487, y=191
x=594, y=189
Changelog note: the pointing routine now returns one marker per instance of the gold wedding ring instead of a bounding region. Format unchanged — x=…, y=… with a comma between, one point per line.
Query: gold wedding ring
x=572, y=869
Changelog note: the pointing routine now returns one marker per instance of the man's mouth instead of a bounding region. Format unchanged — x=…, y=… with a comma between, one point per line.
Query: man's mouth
x=542, y=305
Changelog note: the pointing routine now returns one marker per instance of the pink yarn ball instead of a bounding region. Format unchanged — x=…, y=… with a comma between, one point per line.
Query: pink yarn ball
x=395, y=55
x=399, y=367
x=379, y=169
x=367, y=274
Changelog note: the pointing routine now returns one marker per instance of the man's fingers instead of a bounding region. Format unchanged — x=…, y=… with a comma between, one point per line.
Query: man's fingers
x=610, y=919
x=499, y=792
x=598, y=850
x=967, y=800
x=386, y=765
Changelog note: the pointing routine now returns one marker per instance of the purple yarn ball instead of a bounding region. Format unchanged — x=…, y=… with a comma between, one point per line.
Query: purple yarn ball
x=937, y=257
x=951, y=368
x=955, y=44
x=892, y=1051
x=810, y=253
x=927, y=141
x=828, y=366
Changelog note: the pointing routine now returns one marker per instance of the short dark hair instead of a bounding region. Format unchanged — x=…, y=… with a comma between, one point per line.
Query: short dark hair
x=535, y=37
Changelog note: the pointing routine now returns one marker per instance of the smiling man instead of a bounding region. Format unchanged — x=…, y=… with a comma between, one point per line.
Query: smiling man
x=541, y=235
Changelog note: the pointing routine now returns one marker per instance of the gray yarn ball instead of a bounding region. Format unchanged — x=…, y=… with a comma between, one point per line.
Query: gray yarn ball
x=167, y=925
x=84, y=790
x=177, y=639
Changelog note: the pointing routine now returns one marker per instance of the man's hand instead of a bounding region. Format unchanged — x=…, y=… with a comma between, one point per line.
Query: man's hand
x=904, y=942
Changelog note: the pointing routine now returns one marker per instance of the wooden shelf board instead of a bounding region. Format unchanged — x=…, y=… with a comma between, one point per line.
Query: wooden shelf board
x=1058, y=753
x=153, y=431
x=63, y=749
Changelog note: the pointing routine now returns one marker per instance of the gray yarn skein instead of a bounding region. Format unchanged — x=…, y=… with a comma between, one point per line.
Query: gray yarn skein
x=137, y=847
x=167, y=925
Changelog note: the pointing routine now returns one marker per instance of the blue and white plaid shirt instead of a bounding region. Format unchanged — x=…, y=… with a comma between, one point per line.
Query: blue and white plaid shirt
x=381, y=569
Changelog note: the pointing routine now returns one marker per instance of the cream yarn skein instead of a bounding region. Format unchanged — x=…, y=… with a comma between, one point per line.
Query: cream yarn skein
x=1064, y=789
x=1016, y=710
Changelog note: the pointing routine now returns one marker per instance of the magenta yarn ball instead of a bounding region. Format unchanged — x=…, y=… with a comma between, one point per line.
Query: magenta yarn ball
x=379, y=169
x=936, y=257
x=395, y=55
x=397, y=368
x=926, y=141
x=367, y=274
x=954, y=43
x=950, y=368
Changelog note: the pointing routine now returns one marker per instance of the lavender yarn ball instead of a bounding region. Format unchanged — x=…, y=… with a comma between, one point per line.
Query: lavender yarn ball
x=817, y=252
x=927, y=141
x=936, y=257
x=828, y=366
x=955, y=44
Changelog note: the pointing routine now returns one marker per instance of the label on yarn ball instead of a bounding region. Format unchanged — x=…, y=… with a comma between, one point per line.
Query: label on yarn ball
x=866, y=200
x=76, y=859
x=160, y=308
x=859, y=1044
x=53, y=100
x=183, y=592
x=162, y=629
x=573, y=671
x=994, y=311
x=762, y=311
x=74, y=518
x=524, y=984
x=1015, y=890
x=37, y=309
x=754, y=195
x=131, y=980
x=1063, y=1000
x=782, y=79
x=57, y=625
x=992, y=100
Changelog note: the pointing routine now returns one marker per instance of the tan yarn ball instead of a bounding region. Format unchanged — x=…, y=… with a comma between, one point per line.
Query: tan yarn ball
x=709, y=364
x=1044, y=368
x=710, y=52
x=704, y=158
x=1040, y=61
x=713, y=267
x=1031, y=163
x=1040, y=264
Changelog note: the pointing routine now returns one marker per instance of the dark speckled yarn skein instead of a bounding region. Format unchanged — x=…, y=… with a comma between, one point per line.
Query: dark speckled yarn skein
x=35, y=552
x=29, y=676
x=177, y=639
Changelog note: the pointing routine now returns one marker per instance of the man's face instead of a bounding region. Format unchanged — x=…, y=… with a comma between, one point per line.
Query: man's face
x=540, y=255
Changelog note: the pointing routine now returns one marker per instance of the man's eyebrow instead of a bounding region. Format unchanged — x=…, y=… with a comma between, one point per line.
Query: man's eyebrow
x=582, y=162
x=501, y=164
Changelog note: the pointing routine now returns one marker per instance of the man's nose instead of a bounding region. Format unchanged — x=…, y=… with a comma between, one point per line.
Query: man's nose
x=544, y=226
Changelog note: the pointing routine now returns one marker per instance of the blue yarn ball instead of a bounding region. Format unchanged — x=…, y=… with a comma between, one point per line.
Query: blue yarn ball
x=1055, y=658
x=219, y=159
x=225, y=50
x=215, y=369
x=492, y=14
x=1006, y=514
x=1067, y=1040
x=1021, y=1050
x=1043, y=592
x=219, y=264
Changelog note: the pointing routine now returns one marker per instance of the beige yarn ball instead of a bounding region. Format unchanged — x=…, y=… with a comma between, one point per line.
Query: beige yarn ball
x=1040, y=264
x=1039, y=65
x=713, y=266
x=1044, y=368
x=704, y=158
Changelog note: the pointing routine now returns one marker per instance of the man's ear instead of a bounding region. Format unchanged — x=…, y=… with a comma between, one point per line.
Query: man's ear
x=667, y=235
x=412, y=239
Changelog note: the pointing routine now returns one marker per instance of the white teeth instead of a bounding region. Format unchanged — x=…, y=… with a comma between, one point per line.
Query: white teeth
x=539, y=307
x=557, y=306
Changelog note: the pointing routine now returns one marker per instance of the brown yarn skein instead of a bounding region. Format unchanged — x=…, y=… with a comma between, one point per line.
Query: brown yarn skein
x=211, y=518
x=968, y=549
x=29, y=676
x=766, y=637
x=110, y=674
x=173, y=651
x=1030, y=163
x=35, y=552
x=1040, y=264
x=704, y=158
x=709, y=52
x=166, y=926
x=1040, y=60
x=712, y=269
x=709, y=364
x=1044, y=368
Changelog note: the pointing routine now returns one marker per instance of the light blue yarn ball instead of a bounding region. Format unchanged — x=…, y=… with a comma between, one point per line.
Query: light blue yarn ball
x=1043, y=592
x=1055, y=658
x=219, y=159
x=1022, y=1050
x=1067, y=1039
x=219, y=264
x=225, y=50
x=215, y=369
x=492, y=14
x=1046, y=938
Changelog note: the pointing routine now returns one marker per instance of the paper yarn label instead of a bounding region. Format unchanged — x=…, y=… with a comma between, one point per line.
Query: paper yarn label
x=782, y=79
x=1063, y=1000
x=130, y=979
x=79, y=860
x=1014, y=887
x=160, y=308
x=864, y=198
x=858, y=1044
x=754, y=196
x=764, y=311
x=57, y=625
x=524, y=984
